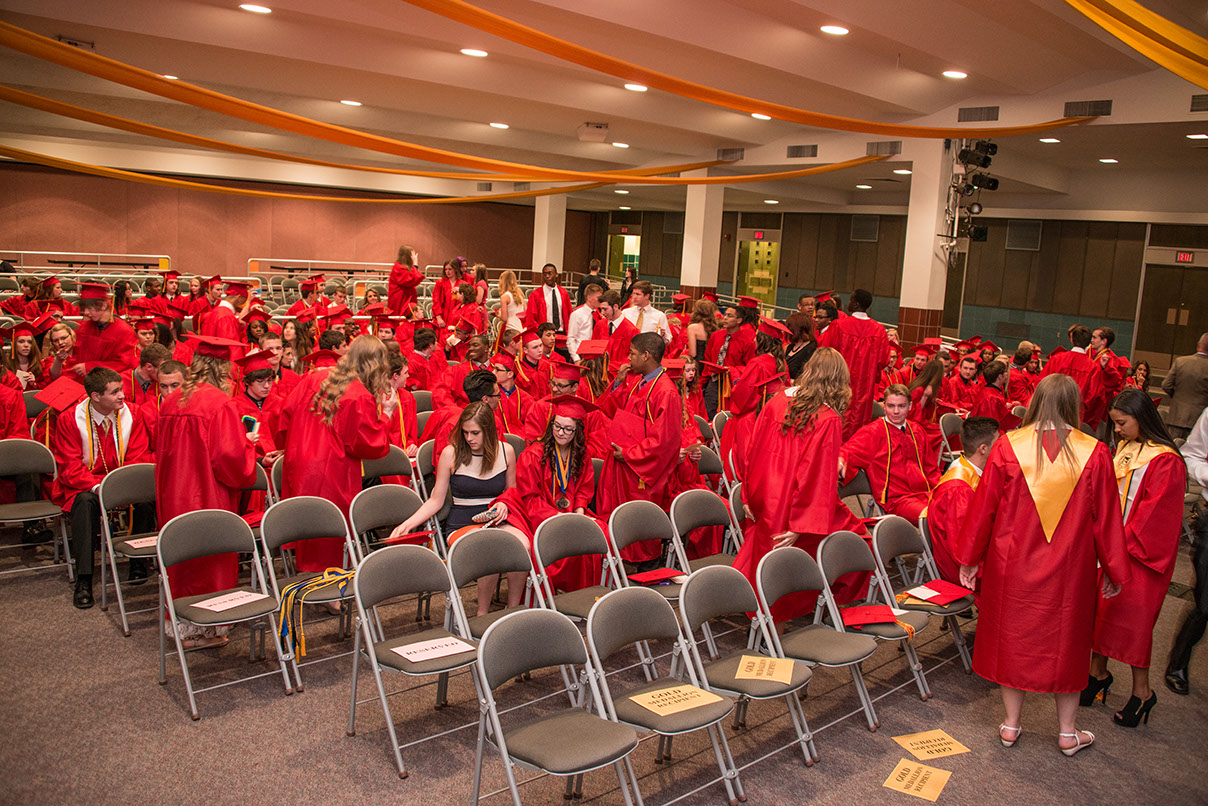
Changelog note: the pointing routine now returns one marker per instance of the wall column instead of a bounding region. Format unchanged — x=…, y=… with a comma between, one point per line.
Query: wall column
x=925, y=261
x=549, y=232
x=702, y=237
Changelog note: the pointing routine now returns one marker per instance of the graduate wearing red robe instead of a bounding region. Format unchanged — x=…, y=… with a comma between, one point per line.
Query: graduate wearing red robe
x=148, y=414
x=515, y=408
x=14, y=423
x=424, y=371
x=991, y=402
x=946, y=515
x=113, y=345
x=79, y=468
x=865, y=347
x=959, y=394
x=902, y=466
x=203, y=459
x=619, y=333
x=535, y=379
x=739, y=352
x=133, y=389
x=794, y=488
x=1153, y=523
x=1086, y=373
x=927, y=414
x=1037, y=559
x=16, y=305
x=400, y=288
x=444, y=302
x=1020, y=384
x=534, y=312
x=222, y=323
x=448, y=390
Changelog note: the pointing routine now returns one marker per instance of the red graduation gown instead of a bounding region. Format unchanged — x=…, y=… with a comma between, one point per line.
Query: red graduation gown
x=1124, y=624
x=1020, y=385
x=991, y=403
x=534, y=312
x=77, y=471
x=325, y=460
x=534, y=380
x=400, y=288
x=739, y=353
x=1037, y=603
x=540, y=412
x=618, y=341
x=222, y=322
x=16, y=305
x=865, y=347
x=514, y=410
x=794, y=488
x=133, y=390
x=902, y=469
x=959, y=394
x=114, y=346
x=14, y=424
x=1088, y=375
x=927, y=415
x=444, y=301
x=448, y=389
x=946, y=516
x=148, y=414
x=203, y=458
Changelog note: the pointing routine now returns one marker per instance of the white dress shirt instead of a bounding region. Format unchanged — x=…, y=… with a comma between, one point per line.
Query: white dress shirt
x=552, y=298
x=1195, y=453
x=653, y=320
x=578, y=329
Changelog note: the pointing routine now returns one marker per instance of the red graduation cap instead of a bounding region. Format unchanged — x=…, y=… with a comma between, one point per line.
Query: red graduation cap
x=140, y=304
x=674, y=367
x=147, y=323
x=170, y=274
x=305, y=315
x=376, y=309
x=503, y=361
x=1056, y=350
x=529, y=335
x=748, y=302
x=573, y=406
x=316, y=278
x=50, y=281
x=215, y=280
x=989, y=345
x=826, y=296
x=336, y=313
x=680, y=299
x=216, y=346
x=751, y=384
x=257, y=315
x=179, y=307
x=927, y=348
x=566, y=372
x=774, y=329
x=94, y=291
x=559, y=340
x=709, y=295
x=31, y=327
x=63, y=392
x=254, y=361
x=316, y=356
x=309, y=285
x=237, y=289
x=715, y=367
x=592, y=348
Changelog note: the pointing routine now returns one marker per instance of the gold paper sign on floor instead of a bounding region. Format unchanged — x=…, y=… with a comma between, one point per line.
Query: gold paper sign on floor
x=917, y=779
x=757, y=667
x=667, y=701
x=930, y=744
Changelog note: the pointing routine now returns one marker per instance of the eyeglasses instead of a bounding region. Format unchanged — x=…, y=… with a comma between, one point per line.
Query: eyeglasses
x=565, y=429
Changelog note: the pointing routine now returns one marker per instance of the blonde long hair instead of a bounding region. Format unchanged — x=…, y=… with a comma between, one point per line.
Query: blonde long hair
x=367, y=361
x=206, y=369
x=1056, y=404
x=507, y=282
x=824, y=381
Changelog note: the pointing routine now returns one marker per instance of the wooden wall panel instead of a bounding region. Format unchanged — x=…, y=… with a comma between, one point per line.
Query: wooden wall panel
x=1016, y=271
x=650, y=260
x=1071, y=257
x=989, y=269
x=1126, y=271
x=825, y=276
x=1044, y=279
x=887, y=278
x=729, y=226
x=579, y=250
x=807, y=276
x=790, y=251
x=1096, y=272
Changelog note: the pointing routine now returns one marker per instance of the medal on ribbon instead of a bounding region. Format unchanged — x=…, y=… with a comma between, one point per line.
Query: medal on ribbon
x=561, y=478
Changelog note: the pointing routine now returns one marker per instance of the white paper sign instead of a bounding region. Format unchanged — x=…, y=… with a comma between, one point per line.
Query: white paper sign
x=143, y=542
x=923, y=592
x=230, y=600
x=898, y=612
x=431, y=650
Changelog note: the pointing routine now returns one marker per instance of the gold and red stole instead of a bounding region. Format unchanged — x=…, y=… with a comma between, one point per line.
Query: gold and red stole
x=1052, y=485
x=1130, y=458
x=962, y=470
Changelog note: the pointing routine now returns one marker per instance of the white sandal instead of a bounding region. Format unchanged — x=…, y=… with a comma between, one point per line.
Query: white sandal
x=1018, y=732
x=1069, y=751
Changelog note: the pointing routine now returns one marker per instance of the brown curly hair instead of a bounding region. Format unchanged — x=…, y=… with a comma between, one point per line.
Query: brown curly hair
x=367, y=361
x=824, y=381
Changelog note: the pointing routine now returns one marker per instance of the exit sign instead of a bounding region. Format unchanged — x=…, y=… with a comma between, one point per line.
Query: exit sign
x=1184, y=257
x=759, y=235
x=624, y=230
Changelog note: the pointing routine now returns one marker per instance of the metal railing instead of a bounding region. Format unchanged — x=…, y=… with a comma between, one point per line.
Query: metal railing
x=71, y=260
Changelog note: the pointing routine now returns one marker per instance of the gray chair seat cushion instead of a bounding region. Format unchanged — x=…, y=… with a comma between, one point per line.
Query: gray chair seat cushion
x=631, y=713
x=29, y=510
x=122, y=550
x=892, y=631
x=570, y=741
x=818, y=643
x=720, y=674
x=478, y=624
x=951, y=609
x=577, y=604
x=326, y=593
x=185, y=609
x=393, y=660
x=712, y=559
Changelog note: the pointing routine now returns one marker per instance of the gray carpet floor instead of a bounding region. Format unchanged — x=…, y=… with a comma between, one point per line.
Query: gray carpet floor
x=86, y=722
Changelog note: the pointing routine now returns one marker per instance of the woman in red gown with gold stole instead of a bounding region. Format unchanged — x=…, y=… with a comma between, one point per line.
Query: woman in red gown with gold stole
x=1046, y=512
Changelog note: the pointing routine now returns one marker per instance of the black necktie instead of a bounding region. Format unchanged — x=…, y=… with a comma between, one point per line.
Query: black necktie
x=553, y=314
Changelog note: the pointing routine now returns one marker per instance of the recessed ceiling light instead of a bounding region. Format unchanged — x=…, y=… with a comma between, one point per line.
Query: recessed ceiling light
x=758, y=116
x=255, y=9
x=1197, y=137
x=636, y=87
x=863, y=187
x=902, y=171
x=351, y=103
x=622, y=192
x=771, y=201
x=955, y=74
x=621, y=145
x=171, y=78
x=475, y=52
x=834, y=30
x=1109, y=161
x=623, y=207
x=1049, y=140
x=499, y=126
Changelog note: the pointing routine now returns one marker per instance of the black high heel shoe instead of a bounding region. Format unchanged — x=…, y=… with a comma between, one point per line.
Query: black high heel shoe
x=1136, y=711
x=1093, y=688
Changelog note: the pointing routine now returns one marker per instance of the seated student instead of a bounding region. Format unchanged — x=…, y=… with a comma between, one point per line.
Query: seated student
x=479, y=385
x=335, y=341
x=991, y=401
x=952, y=496
x=549, y=343
x=101, y=339
x=1020, y=382
x=960, y=392
x=532, y=373
x=404, y=425
x=925, y=391
x=471, y=320
x=96, y=435
x=894, y=452
x=169, y=378
x=515, y=404
x=284, y=379
x=566, y=379
x=139, y=384
x=422, y=371
x=447, y=390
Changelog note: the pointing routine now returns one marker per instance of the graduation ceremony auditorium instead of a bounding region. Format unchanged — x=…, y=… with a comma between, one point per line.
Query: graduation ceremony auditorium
x=530, y=401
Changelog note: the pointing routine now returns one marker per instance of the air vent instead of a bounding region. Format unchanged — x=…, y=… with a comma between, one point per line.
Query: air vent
x=1199, y=103
x=484, y=186
x=976, y=114
x=520, y=186
x=797, y=152
x=865, y=228
x=731, y=154
x=1023, y=235
x=885, y=147
x=1081, y=109
x=673, y=224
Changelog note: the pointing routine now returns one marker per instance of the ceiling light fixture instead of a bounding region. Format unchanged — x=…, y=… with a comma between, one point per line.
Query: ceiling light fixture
x=255, y=9
x=758, y=116
x=171, y=78
x=863, y=187
x=623, y=207
x=902, y=171
x=955, y=74
x=1109, y=161
x=622, y=192
x=475, y=52
x=636, y=87
x=771, y=201
x=1049, y=140
x=351, y=103
x=621, y=145
x=834, y=30
x=499, y=126
x=1197, y=137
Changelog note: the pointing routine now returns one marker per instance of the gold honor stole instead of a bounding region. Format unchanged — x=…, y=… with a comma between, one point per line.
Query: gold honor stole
x=1052, y=496
x=961, y=470
x=1131, y=457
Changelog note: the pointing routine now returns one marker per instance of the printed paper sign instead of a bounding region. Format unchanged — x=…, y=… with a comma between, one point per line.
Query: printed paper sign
x=667, y=701
x=143, y=542
x=431, y=650
x=939, y=592
x=918, y=780
x=923, y=592
x=757, y=667
x=230, y=600
x=930, y=744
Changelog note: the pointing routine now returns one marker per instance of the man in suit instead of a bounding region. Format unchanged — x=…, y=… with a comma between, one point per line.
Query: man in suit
x=1187, y=385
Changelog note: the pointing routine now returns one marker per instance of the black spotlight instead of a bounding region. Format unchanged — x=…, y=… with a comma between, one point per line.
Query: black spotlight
x=965, y=189
x=984, y=182
x=975, y=158
x=986, y=147
x=979, y=233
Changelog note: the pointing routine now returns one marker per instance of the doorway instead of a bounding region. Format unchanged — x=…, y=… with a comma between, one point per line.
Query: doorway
x=757, y=270
x=624, y=252
x=1173, y=314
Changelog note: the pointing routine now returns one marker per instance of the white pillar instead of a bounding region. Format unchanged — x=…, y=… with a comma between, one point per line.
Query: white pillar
x=925, y=262
x=549, y=231
x=702, y=234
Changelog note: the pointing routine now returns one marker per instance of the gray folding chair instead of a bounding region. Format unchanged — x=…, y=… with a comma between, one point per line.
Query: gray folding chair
x=894, y=538
x=706, y=431
x=25, y=457
x=384, y=507
x=950, y=426
x=846, y=552
x=205, y=533
x=860, y=489
x=565, y=535
x=878, y=410
x=421, y=418
x=635, y=616
x=394, y=463
x=425, y=467
x=719, y=592
x=33, y=406
x=517, y=442
x=792, y=570
x=635, y=521
x=693, y=509
x=736, y=517
x=296, y=520
x=423, y=401
x=719, y=425
x=569, y=742
x=276, y=478
x=710, y=465
x=485, y=552
x=124, y=487
x=387, y=574
x=597, y=466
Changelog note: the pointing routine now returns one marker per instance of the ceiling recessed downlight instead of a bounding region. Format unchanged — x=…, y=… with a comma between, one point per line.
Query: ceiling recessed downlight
x=863, y=187
x=475, y=52
x=834, y=30
x=758, y=116
x=1049, y=140
x=622, y=192
x=621, y=145
x=636, y=87
x=955, y=74
x=347, y=102
x=771, y=201
x=1197, y=137
x=902, y=171
x=499, y=126
x=171, y=78
x=623, y=207
x=255, y=9
x=1109, y=161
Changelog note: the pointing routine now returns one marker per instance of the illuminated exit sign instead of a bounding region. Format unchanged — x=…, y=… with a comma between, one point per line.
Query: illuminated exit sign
x=624, y=230
x=1184, y=257
x=759, y=235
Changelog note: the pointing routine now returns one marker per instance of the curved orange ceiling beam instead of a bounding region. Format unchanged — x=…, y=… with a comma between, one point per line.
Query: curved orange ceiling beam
x=504, y=28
